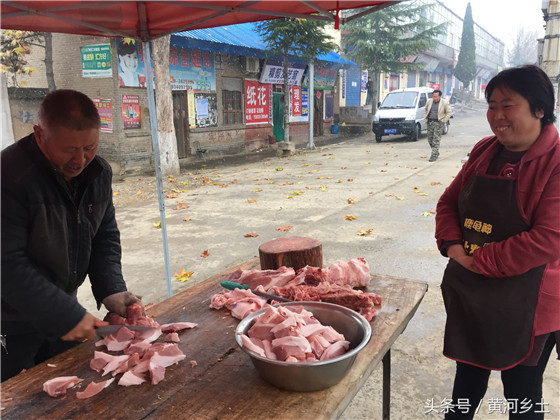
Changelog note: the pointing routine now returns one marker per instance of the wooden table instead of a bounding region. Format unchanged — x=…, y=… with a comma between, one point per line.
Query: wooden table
x=224, y=384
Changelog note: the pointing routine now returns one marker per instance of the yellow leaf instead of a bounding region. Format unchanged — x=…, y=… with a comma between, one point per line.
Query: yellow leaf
x=351, y=201
x=157, y=225
x=426, y=213
x=350, y=217
x=185, y=182
x=323, y=188
x=183, y=275
x=258, y=190
x=116, y=193
x=399, y=198
x=171, y=195
x=279, y=169
x=363, y=232
x=139, y=192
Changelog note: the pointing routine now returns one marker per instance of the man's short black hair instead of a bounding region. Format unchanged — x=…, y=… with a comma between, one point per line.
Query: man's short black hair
x=437, y=91
x=69, y=109
x=530, y=82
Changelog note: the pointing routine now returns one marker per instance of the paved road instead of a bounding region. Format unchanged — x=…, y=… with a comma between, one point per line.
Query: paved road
x=389, y=187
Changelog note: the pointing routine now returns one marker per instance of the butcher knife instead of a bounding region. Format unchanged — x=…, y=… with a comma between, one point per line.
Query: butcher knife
x=111, y=329
x=233, y=285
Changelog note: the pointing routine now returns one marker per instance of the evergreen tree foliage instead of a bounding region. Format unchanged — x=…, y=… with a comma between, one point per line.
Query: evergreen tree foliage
x=380, y=40
x=303, y=38
x=465, y=70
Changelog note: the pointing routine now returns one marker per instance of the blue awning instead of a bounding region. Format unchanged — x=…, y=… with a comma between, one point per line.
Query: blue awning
x=240, y=40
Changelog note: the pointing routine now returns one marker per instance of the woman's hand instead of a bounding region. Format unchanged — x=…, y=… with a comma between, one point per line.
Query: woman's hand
x=457, y=252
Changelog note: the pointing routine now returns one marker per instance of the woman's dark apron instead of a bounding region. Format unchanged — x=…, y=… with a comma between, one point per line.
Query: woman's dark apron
x=489, y=320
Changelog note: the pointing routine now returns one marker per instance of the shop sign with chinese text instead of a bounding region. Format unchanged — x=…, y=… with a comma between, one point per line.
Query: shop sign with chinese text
x=256, y=102
x=191, y=69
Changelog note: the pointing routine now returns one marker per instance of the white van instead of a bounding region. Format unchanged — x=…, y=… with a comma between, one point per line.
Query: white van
x=402, y=112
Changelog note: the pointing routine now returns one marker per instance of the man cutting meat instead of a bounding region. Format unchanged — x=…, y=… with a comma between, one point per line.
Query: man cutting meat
x=58, y=226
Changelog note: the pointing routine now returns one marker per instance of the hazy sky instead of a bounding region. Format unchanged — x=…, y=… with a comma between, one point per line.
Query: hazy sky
x=502, y=18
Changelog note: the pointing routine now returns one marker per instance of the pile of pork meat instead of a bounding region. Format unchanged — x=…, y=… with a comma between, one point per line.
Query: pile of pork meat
x=334, y=284
x=134, y=354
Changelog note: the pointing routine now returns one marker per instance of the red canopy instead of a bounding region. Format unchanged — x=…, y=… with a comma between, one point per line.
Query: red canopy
x=146, y=20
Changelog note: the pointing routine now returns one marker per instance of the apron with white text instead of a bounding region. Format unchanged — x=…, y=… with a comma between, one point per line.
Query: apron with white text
x=489, y=320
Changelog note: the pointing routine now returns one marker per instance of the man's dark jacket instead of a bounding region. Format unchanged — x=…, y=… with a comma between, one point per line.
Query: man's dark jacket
x=50, y=243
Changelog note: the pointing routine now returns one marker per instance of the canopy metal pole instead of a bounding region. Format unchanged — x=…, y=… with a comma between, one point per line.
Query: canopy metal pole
x=157, y=162
x=311, y=104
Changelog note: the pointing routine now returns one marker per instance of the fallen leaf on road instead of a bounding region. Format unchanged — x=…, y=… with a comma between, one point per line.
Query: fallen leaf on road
x=323, y=188
x=350, y=217
x=181, y=207
x=205, y=254
x=138, y=192
x=351, y=201
x=157, y=225
x=396, y=178
x=251, y=235
x=284, y=228
x=183, y=275
x=435, y=183
x=116, y=193
x=234, y=181
x=251, y=200
x=175, y=190
x=426, y=213
x=399, y=198
x=350, y=179
x=364, y=232
x=187, y=219
x=185, y=182
x=170, y=195
x=389, y=195
x=258, y=190
x=279, y=169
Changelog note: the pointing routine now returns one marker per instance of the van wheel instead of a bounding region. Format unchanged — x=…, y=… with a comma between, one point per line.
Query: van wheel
x=445, y=128
x=378, y=138
x=416, y=134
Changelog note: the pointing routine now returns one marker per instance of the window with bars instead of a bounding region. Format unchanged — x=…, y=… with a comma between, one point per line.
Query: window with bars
x=232, y=112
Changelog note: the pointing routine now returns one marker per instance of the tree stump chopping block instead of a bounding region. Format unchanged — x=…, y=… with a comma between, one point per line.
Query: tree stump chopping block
x=291, y=251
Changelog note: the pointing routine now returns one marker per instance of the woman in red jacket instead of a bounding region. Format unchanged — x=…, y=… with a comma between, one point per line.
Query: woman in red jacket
x=499, y=223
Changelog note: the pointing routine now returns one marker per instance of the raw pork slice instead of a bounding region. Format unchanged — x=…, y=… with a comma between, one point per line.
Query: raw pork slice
x=94, y=388
x=297, y=336
x=172, y=338
x=177, y=326
x=266, y=278
x=57, y=386
x=240, y=302
x=131, y=378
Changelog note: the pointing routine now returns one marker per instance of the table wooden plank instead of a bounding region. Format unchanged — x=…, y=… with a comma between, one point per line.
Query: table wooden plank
x=224, y=384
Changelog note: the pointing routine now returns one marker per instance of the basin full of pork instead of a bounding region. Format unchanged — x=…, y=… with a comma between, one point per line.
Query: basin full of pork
x=328, y=366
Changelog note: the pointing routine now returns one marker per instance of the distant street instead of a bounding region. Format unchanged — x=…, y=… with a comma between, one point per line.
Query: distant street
x=357, y=197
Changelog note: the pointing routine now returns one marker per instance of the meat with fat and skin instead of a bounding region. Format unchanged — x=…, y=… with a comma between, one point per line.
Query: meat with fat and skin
x=177, y=326
x=57, y=386
x=93, y=388
x=131, y=378
x=172, y=338
x=297, y=336
x=266, y=278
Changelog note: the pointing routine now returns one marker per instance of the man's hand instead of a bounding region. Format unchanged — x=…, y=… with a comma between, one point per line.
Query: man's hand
x=118, y=302
x=85, y=329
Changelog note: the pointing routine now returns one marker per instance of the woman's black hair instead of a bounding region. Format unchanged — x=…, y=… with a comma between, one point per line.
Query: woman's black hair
x=124, y=49
x=530, y=82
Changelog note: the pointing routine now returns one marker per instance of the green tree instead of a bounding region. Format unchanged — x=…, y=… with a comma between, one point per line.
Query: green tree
x=294, y=37
x=380, y=40
x=465, y=70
